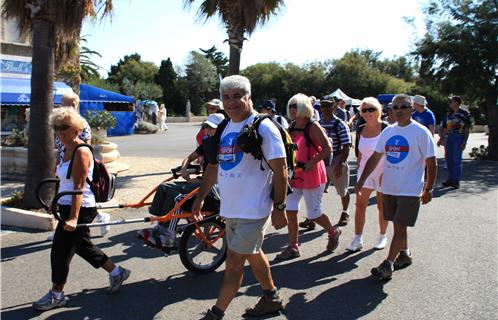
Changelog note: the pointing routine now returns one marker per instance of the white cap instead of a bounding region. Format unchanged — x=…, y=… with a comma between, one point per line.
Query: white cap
x=216, y=103
x=418, y=99
x=213, y=120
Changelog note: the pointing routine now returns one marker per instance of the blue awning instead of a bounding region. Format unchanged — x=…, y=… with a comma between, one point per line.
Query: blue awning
x=90, y=93
x=17, y=91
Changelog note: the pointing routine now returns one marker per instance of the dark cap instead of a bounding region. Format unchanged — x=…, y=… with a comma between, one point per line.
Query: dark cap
x=456, y=99
x=328, y=99
x=268, y=104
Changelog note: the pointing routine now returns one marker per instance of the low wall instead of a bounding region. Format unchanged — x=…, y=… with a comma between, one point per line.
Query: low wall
x=185, y=119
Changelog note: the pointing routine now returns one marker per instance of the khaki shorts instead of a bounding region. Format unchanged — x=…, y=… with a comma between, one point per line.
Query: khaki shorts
x=245, y=236
x=341, y=185
x=401, y=209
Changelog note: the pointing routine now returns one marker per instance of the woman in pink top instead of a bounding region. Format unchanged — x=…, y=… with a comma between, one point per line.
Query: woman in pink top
x=310, y=178
x=366, y=139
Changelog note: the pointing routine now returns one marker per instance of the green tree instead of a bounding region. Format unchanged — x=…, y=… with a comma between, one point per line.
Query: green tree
x=52, y=22
x=202, y=80
x=239, y=17
x=147, y=90
x=459, y=54
x=218, y=58
x=168, y=79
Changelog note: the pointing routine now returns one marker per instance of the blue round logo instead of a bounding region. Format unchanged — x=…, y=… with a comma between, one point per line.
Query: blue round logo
x=396, y=149
x=229, y=153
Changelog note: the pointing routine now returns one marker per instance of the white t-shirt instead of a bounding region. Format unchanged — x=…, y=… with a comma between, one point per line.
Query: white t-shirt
x=406, y=149
x=244, y=187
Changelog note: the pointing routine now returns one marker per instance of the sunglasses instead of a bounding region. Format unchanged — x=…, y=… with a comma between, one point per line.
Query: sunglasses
x=62, y=127
x=402, y=107
x=371, y=110
x=293, y=106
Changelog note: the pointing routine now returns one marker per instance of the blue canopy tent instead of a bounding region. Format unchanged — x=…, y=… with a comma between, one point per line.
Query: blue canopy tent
x=385, y=98
x=17, y=91
x=15, y=97
x=96, y=99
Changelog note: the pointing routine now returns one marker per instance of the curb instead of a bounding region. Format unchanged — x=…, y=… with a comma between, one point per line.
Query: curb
x=27, y=219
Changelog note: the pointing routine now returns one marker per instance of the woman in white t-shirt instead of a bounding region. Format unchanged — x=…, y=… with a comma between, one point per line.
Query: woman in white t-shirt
x=366, y=139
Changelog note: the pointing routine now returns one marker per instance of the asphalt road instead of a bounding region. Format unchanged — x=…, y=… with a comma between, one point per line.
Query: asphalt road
x=454, y=274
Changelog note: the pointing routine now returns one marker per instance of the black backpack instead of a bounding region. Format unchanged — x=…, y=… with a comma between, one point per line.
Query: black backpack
x=103, y=184
x=249, y=140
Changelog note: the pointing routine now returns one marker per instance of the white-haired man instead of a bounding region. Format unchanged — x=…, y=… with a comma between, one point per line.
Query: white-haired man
x=245, y=192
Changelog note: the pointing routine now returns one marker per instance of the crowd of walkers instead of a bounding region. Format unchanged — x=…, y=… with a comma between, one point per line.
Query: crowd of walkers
x=395, y=158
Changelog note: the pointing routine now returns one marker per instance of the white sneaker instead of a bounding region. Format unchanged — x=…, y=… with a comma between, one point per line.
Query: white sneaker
x=381, y=243
x=103, y=217
x=356, y=245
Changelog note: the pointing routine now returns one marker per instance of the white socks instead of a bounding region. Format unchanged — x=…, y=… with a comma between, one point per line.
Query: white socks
x=58, y=294
x=116, y=271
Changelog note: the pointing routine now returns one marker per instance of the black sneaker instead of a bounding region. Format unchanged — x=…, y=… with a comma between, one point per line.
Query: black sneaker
x=307, y=224
x=343, y=221
x=455, y=185
x=265, y=307
x=402, y=261
x=447, y=183
x=383, y=271
x=210, y=315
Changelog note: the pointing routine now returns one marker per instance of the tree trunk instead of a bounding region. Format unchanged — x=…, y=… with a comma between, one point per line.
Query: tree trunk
x=41, y=158
x=492, y=118
x=235, y=40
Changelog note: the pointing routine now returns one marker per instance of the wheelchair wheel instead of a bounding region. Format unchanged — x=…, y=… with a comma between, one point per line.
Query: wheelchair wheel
x=203, y=247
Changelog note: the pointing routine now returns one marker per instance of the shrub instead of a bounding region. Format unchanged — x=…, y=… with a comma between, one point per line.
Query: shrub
x=16, y=139
x=100, y=119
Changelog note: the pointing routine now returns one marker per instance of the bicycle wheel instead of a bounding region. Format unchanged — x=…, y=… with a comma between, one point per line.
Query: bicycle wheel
x=203, y=247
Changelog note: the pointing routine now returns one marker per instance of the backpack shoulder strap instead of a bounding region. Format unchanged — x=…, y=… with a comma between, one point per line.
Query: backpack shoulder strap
x=307, y=135
x=219, y=130
x=70, y=169
x=357, y=139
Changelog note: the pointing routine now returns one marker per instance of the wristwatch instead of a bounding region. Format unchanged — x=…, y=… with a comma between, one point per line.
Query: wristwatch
x=279, y=206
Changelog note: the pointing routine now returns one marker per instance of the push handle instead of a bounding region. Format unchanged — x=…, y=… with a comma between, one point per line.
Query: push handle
x=192, y=169
x=57, y=197
x=39, y=187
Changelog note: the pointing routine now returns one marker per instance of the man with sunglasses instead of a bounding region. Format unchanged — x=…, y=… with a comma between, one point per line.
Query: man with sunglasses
x=246, y=202
x=408, y=147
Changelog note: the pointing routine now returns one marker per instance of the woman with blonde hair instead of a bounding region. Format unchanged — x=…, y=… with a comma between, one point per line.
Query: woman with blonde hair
x=366, y=139
x=75, y=209
x=312, y=147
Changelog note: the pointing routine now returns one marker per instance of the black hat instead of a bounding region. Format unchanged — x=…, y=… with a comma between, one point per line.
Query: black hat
x=268, y=104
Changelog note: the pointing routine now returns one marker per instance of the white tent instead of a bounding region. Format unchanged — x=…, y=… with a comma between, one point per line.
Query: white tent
x=349, y=101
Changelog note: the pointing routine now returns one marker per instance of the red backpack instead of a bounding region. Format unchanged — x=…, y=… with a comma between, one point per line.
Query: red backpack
x=103, y=184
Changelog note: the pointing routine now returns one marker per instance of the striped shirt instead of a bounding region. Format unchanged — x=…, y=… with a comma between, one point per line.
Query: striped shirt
x=343, y=134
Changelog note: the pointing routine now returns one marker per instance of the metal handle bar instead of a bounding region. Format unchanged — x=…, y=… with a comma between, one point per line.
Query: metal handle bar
x=39, y=187
x=192, y=168
x=60, y=195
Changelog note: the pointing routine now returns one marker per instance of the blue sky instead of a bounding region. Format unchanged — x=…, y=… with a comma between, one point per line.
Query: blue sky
x=304, y=31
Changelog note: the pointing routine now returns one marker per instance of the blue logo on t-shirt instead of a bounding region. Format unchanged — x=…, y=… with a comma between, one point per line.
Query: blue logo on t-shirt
x=229, y=153
x=396, y=149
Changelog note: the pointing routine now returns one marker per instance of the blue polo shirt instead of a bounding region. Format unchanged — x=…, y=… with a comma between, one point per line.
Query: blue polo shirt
x=425, y=118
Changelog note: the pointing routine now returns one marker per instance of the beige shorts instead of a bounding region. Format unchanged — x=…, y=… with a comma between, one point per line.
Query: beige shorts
x=341, y=185
x=245, y=236
x=401, y=209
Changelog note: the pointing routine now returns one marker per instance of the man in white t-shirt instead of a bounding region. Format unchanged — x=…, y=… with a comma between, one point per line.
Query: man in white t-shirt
x=408, y=147
x=245, y=192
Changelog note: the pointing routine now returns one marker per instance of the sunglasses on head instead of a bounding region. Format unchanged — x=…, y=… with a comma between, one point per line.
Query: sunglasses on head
x=369, y=110
x=402, y=107
x=61, y=127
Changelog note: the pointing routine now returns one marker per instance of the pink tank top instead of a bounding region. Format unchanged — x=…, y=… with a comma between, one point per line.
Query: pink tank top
x=316, y=176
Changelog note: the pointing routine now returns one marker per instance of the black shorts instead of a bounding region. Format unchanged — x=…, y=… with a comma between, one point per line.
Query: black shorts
x=401, y=209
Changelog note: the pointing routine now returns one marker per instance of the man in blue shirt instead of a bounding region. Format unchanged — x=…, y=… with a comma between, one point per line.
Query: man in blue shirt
x=456, y=128
x=422, y=114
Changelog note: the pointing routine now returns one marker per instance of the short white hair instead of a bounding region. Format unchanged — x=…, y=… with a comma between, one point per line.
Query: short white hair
x=235, y=82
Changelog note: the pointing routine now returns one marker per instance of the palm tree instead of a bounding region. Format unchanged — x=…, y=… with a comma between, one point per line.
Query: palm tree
x=54, y=23
x=239, y=17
